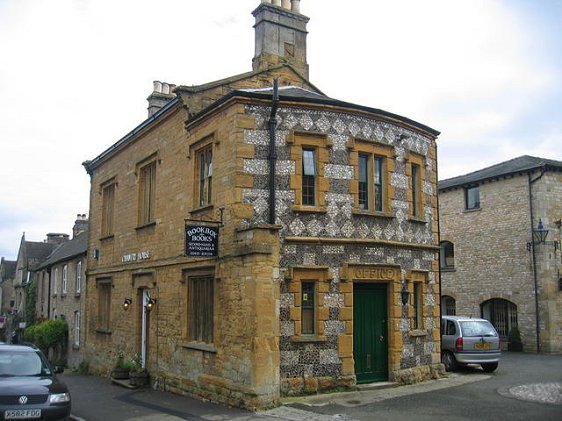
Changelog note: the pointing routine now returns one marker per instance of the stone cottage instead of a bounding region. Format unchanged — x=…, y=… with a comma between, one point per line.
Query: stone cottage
x=255, y=238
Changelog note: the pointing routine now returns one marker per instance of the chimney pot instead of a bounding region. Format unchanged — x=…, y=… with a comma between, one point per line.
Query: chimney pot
x=276, y=2
x=286, y=4
x=157, y=86
x=296, y=6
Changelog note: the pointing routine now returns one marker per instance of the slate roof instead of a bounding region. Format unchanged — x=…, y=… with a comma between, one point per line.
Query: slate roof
x=39, y=251
x=516, y=166
x=9, y=267
x=298, y=94
x=67, y=250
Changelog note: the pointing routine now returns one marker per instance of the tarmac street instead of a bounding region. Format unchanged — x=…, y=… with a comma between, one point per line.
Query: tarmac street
x=524, y=387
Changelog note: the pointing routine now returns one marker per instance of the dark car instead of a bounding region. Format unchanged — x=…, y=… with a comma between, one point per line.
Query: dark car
x=29, y=387
x=466, y=340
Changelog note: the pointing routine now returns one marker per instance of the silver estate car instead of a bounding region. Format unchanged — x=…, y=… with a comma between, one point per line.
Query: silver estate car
x=466, y=340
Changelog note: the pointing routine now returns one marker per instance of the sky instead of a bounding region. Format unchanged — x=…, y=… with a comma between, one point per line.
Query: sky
x=75, y=75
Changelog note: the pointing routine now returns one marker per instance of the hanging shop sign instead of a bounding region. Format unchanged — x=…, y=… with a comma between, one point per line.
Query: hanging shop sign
x=201, y=241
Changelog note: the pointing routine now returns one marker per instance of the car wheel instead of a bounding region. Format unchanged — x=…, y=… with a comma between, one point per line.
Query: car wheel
x=489, y=367
x=449, y=361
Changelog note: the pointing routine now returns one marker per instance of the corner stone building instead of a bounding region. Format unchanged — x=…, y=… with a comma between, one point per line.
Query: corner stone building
x=494, y=264
x=251, y=271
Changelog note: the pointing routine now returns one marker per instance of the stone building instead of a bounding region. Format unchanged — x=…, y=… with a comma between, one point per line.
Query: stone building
x=30, y=256
x=7, y=294
x=60, y=286
x=250, y=241
x=494, y=262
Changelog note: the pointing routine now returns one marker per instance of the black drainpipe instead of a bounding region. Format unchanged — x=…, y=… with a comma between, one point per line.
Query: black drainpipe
x=272, y=123
x=533, y=250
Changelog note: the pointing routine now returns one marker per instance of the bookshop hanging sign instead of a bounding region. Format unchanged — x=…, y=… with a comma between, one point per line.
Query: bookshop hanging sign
x=201, y=241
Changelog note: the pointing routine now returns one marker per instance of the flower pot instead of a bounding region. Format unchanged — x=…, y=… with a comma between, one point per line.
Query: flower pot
x=138, y=378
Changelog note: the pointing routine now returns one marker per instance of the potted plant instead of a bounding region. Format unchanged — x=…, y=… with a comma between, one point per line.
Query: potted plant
x=514, y=340
x=121, y=368
x=138, y=376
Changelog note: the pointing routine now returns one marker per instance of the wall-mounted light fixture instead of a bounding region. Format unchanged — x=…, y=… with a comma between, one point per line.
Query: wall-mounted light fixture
x=404, y=294
x=539, y=237
x=150, y=304
x=127, y=303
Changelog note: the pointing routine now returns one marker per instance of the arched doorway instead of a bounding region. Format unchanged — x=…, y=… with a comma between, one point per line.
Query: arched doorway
x=502, y=313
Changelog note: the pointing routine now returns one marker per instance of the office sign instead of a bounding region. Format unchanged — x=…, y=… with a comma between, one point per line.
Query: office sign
x=201, y=241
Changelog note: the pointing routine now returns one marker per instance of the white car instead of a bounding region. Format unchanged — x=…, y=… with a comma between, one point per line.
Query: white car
x=466, y=340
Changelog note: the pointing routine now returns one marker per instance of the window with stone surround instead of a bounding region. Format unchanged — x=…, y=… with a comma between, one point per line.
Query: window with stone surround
x=472, y=198
x=64, y=279
x=416, y=181
x=419, y=280
x=78, y=283
x=310, y=153
x=55, y=281
x=104, y=305
x=308, y=286
x=77, y=317
x=147, y=192
x=205, y=176
x=447, y=255
x=200, y=307
x=372, y=163
x=108, y=208
x=417, y=301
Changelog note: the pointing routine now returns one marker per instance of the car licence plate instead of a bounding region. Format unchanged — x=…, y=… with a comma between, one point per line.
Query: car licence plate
x=485, y=345
x=22, y=414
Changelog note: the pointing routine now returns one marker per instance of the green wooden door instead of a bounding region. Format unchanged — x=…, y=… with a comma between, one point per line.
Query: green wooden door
x=370, y=341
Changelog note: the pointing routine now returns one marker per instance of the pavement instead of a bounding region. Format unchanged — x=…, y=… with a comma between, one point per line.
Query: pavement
x=98, y=399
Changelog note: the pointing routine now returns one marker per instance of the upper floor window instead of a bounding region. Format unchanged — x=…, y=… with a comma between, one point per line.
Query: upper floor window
x=416, y=165
x=108, y=205
x=78, y=285
x=416, y=191
x=55, y=281
x=472, y=198
x=147, y=192
x=64, y=278
x=447, y=255
x=371, y=164
x=309, y=177
x=205, y=167
x=311, y=154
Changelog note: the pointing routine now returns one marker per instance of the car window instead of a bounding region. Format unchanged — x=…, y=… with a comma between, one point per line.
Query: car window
x=22, y=364
x=477, y=328
x=451, y=329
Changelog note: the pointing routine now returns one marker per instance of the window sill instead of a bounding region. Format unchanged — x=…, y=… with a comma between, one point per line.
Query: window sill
x=107, y=237
x=472, y=210
x=308, y=338
x=416, y=220
x=202, y=209
x=145, y=226
x=418, y=333
x=451, y=269
x=199, y=346
x=77, y=295
x=75, y=347
x=361, y=212
x=104, y=331
x=309, y=209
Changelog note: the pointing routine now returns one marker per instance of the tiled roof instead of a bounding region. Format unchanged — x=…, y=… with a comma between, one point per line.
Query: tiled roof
x=522, y=164
x=68, y=250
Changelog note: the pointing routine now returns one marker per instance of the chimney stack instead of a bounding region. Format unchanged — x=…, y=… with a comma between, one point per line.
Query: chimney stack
x=280, y=32
x=56, y=238
x=80, y=225
x=162, y=93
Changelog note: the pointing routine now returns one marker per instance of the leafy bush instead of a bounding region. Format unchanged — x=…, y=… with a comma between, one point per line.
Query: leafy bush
x=514, y=335
x=47, y=334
